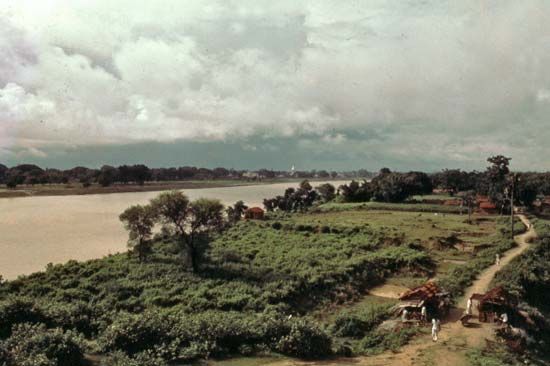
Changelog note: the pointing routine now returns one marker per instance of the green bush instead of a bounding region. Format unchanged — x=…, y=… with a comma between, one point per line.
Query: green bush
x=305, y=341
x=357, y=324
x=33, y=344
x=134, y=334
x=381, y=340
x=17, y=310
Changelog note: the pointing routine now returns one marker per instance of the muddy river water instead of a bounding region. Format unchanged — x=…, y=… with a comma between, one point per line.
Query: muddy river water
x=35, y=231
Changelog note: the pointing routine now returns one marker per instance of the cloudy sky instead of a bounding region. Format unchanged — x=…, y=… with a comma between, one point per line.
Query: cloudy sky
x=421, y=84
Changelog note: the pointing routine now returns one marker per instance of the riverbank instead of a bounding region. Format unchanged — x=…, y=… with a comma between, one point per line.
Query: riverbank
x=39, y=230
x=76, y=189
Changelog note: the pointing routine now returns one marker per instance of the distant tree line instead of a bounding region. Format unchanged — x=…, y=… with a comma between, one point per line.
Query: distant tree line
x=497, y=183
x=30, y=174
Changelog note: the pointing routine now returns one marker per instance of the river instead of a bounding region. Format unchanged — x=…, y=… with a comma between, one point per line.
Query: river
x=35, y=231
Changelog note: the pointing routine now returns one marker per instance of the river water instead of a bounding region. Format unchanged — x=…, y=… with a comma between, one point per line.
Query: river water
x=35, y=231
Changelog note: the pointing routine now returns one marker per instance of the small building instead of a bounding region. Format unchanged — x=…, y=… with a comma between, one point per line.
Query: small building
x=254, y=213
x=437, y=302
x=492, y=304
x=485, y=206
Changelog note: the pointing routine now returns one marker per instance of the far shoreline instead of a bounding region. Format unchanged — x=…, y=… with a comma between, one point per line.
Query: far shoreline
x=77, y=189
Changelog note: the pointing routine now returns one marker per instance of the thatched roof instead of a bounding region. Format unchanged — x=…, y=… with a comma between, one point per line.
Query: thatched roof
x=497, y=295
x=425, y=292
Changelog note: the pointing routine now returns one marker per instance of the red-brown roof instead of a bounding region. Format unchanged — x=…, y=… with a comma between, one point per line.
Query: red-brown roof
x=496, y=295
x=487, y=205
x=255, y=210
x=424, y=292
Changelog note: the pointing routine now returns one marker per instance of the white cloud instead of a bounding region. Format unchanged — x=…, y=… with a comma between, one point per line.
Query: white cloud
x=462, y=79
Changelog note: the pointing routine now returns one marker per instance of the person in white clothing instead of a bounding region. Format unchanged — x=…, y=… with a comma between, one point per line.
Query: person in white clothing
x=435, y=329
x=504, y=319
x=469, y=306
x=497, y=260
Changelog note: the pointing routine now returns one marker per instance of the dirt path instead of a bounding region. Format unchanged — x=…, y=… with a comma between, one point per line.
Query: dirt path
x=454, y=338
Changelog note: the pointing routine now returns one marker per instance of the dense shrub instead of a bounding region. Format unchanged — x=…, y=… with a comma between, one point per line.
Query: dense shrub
x=380, y=340
x=17, y=310
x=358, y=323
x=136, y=333
x=179, y=336
x=33, y=344
x=305, y=341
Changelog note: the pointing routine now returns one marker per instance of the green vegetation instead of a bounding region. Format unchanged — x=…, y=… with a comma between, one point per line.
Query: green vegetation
x=492, y=355
x=528, y=278
x=252, y=277
x=248, y=280
x=413, y=207
x=462, y=276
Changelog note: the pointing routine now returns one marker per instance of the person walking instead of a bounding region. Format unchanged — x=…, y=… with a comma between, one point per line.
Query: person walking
x=435, y=329
x=504, y=319
x=497, y=259
x=469, y=306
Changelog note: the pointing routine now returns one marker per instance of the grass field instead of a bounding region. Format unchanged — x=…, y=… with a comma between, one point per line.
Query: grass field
x=415, y=207
x=316, y=266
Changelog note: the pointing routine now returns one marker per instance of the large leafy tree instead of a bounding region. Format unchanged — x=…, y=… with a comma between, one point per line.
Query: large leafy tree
x=497, y=179
x=327, y=192
x=139, y=221
x=236, y=212
x=188, y=219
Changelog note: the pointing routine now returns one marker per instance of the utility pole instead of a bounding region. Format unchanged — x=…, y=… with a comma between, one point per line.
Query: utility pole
x=512, y=204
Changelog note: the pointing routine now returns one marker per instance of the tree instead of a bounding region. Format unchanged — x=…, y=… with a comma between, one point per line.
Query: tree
x=453, y=180
x=172, y=208
x=189, y=220
x=327, y=192
x=355, y=191
x=469, y=200
x=497, y=174
x=236, y=212
x=527, y=186
x=107, y=175
x=3, y=172
x=206, y=216
x=140, y=174
x=139, y=221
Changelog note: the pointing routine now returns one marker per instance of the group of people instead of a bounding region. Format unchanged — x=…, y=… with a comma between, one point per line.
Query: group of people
x=436, y=323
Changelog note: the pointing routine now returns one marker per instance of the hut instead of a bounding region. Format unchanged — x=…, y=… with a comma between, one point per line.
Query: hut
x=492, y=304
x=254, y=213
x=437, y=302
x=485, y=206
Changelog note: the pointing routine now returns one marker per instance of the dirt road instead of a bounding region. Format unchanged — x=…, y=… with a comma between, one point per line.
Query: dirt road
x=454, y=338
